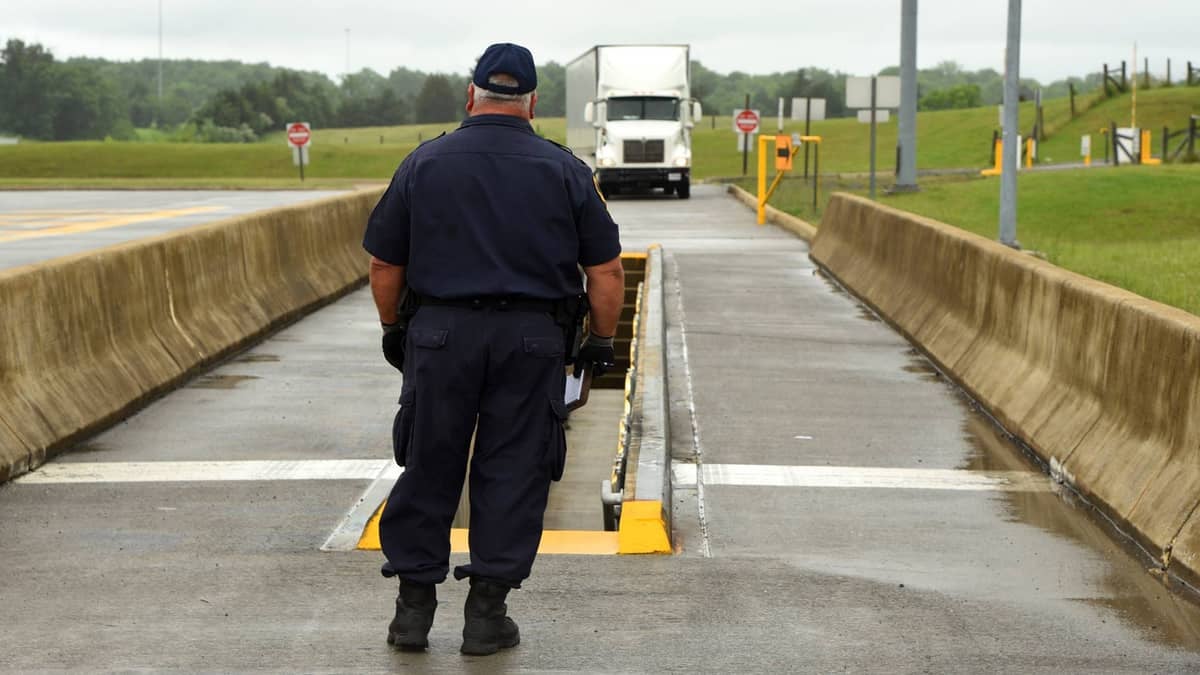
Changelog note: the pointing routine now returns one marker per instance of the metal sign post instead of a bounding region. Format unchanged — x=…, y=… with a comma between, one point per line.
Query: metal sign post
x=745, y=123
x=873, y=93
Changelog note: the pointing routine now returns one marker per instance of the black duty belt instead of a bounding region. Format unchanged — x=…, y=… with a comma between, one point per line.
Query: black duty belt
x=500, y=303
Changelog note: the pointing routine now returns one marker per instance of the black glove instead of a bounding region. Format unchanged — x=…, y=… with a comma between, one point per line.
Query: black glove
x=394, y=336
x=597, y=351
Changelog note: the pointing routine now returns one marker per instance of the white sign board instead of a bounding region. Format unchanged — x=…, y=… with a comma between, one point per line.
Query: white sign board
x=9, y=140
x=887, y=92
x=800, y=108
x=796, y=140
x=881, y=116
x=1085, y=147
x=1130, y=140
x=299, y=154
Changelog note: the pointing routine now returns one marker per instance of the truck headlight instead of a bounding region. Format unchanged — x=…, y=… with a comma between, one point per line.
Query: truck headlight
x=606, y=157
x=682, y=160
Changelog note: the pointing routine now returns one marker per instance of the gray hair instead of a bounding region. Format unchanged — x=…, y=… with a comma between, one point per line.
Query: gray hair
x=504, y=80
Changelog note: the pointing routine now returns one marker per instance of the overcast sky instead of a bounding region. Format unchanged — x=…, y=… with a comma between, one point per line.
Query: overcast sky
x=1061, y=37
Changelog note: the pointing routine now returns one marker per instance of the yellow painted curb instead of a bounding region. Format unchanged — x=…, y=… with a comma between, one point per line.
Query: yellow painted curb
x=554, y=542
x=642, y=528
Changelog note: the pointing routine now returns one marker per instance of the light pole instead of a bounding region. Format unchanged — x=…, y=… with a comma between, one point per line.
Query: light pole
x=1012, y=151
x=160, y=53
x=347, y=52
x=906, y=180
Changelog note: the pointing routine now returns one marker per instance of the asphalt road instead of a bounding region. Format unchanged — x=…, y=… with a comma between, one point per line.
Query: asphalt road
x=840, y=508
x=40, y=225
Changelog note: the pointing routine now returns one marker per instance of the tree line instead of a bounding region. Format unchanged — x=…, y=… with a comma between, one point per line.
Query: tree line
x=229, y=101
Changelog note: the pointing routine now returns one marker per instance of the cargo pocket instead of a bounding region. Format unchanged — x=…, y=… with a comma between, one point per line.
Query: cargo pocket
x=402, y=427
x=556, y=444
x=544, y=347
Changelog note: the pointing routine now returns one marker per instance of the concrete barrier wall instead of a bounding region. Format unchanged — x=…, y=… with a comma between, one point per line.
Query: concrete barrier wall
x=1103, y=384
x=85, y=339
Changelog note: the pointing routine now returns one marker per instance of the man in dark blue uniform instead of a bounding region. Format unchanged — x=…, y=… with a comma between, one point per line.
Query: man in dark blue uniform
x=488, y=227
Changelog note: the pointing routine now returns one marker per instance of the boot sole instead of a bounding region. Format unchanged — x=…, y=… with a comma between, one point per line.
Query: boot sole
x=476, y=648
x=407, y=644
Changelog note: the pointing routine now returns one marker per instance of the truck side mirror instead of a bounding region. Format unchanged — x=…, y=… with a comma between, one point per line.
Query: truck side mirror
x=589, y=112
x=697, y=111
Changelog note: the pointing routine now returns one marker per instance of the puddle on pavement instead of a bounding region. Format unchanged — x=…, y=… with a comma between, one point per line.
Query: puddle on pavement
x=220, y=381
x=1127, y=587
x=923, y=368
x=90, y=446
x=257, y=358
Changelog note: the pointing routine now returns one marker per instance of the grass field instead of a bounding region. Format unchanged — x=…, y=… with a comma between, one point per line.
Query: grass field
x=1134, y=227
x=946, y=139
x=1156, y=108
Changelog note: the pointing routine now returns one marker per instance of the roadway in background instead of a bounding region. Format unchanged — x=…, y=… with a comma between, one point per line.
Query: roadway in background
x=40, y=225
x=839, y=507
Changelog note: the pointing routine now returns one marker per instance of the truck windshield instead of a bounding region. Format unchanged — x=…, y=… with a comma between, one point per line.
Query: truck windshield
x=643, y=108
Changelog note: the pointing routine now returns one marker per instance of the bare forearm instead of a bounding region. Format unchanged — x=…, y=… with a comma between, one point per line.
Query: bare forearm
x=387, y=283
x=606, y=294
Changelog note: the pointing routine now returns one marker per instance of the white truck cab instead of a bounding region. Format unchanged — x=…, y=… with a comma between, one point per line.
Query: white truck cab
x=630, y=116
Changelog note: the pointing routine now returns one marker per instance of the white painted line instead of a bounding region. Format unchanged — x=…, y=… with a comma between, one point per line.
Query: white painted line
x=179, y=472
x=753, y=475
x=683, y=474
x=350, y=530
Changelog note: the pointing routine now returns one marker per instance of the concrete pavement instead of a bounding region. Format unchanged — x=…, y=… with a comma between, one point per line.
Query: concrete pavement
x=839, y=508
x=40, y=225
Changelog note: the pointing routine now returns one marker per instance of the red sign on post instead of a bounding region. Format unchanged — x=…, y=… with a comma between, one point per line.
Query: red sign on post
x=746, y=121
x=299, y=134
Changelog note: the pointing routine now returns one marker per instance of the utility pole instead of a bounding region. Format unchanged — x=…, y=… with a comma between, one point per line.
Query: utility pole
x=906, y=181
x=347, y=52
x=1012, y=151
x=160, y=53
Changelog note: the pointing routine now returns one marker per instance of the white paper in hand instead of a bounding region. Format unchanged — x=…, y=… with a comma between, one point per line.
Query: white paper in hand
x=573, y=391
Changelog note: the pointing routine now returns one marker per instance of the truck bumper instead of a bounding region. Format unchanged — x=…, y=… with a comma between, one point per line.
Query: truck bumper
x=644, y=178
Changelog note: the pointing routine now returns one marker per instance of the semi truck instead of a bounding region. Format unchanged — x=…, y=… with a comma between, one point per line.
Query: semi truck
x=630, y=115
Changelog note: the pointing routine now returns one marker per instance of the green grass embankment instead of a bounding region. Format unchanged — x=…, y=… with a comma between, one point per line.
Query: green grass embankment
x=1134, y=227
x=1156, y=108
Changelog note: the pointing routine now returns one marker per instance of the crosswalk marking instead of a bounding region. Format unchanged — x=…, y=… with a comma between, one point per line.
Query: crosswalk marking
x=760, y=475
x=200, y=471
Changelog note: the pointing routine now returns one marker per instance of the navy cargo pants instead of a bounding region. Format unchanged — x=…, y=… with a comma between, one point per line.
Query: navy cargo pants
x=497, y=373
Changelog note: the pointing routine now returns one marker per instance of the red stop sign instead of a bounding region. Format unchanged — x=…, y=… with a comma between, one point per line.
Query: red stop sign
x=299, y=134
x=747, y=121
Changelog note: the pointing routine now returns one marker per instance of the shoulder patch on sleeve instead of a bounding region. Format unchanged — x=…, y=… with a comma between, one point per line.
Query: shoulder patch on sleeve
x=596, y=182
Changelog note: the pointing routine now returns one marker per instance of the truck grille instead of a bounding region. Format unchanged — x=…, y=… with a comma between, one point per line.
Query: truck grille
x=643, y=152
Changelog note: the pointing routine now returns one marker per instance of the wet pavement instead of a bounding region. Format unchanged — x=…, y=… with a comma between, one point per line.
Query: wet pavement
x=806, y=436
x=41, y=225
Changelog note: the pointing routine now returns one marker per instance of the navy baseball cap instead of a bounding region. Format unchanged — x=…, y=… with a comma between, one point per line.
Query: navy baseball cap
x=509, y=59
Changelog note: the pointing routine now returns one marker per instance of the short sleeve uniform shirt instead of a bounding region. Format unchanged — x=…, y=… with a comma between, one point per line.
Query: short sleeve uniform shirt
x=492, y=210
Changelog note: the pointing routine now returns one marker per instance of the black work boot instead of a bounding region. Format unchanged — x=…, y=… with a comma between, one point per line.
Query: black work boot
x=415, y=605
x=488, y=628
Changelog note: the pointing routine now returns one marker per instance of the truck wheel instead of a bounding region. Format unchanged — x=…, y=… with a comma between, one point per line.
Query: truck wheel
x=684, y=189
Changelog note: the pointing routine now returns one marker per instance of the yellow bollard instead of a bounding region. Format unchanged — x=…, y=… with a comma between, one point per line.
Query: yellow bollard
x=998, y=160
x=1146, y=157
x=762, y=180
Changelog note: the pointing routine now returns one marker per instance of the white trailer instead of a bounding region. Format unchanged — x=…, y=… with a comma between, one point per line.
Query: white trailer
x=630, y=114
